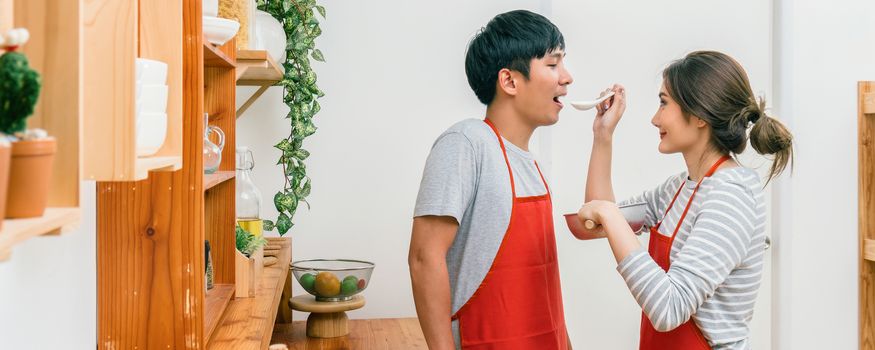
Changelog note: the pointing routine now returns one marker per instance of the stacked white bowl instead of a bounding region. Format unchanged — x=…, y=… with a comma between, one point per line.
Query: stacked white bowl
x=151, y=104
x=217, y=31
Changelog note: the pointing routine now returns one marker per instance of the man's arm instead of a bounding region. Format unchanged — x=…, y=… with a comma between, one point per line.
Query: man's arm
x=431, y=239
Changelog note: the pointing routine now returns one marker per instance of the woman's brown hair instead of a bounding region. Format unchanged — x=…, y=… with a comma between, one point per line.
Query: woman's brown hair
x=714, y=87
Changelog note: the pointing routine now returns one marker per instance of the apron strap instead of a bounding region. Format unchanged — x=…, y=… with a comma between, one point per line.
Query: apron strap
x=542, y=177
x=690, y=201
x=503, y=152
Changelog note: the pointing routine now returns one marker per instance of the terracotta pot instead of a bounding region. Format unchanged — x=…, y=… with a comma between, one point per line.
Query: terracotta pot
x=5, y=155
x=29, y=177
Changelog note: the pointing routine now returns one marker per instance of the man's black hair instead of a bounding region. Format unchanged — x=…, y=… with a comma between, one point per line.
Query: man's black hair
x=510, y=40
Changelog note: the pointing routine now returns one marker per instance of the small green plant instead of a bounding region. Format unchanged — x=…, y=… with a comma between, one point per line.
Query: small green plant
x=299, y=21
x=247, y=242
x=19, y=90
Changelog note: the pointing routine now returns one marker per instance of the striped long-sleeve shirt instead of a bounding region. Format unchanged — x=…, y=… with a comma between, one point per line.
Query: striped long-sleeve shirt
x=716, y=259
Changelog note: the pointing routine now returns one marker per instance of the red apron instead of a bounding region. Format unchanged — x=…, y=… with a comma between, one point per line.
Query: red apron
x=519, y=303
x=687, y=336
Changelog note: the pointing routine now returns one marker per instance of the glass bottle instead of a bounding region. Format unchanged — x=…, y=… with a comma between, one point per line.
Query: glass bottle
x=212, y=151
x=248, y=195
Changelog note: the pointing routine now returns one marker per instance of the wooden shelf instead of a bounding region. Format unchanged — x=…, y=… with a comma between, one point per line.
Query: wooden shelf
x=145, y=165
x=213, y=57
x=248, y=322
x=217, y=300
x=211, y=180
x=51, y=223
x=869, y=249
x=257, y=68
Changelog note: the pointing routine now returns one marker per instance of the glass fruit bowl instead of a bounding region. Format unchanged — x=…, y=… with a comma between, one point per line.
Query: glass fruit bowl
x=333, y=279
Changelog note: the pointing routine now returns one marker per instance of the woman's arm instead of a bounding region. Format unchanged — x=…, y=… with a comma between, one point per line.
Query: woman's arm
x=717, y=243
x=598, y=179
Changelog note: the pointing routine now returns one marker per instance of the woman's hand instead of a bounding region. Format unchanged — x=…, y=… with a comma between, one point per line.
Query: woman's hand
x=609, y=112
x=599, y=211
x=620, y=236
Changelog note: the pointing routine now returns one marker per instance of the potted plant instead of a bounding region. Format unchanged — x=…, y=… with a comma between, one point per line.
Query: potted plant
x=32, y=150
x=248, y=262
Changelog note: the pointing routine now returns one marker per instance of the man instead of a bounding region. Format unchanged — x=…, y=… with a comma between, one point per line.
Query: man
x=483, y=252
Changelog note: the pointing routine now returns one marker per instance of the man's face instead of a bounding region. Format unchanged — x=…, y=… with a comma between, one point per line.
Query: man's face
x=537, y=98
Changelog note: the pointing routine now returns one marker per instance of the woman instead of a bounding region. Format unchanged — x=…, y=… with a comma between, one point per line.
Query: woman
x=698, y=279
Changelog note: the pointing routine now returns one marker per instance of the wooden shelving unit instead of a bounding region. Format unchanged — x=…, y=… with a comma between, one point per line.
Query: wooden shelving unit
x=217, y=301
x=218, y=177
x=116, y=33
x=256, y=68
x=55, y=36
x=213, y=57
x=866, y=142
x=151, y=232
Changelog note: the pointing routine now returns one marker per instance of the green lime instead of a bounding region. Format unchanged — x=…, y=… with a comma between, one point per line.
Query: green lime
x=349, y=286
x=308, y=280
x=351, y=278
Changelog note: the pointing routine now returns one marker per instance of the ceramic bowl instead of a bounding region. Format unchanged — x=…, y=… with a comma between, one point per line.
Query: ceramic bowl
x=151, y=72
x=151, y=133
x=218, y=31
x=151, y=99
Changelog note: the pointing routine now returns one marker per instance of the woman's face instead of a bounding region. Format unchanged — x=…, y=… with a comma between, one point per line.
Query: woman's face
x=677, y=133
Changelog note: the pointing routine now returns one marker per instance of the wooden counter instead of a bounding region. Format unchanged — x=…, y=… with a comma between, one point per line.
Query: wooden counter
x=248, y=322
x=374, y=334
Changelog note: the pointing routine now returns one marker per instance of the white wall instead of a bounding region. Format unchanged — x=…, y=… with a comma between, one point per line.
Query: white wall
x=48, y=289
x=822, y=50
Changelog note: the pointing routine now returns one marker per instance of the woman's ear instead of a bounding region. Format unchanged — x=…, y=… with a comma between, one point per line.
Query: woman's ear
x=507, y=82
x=699, y=122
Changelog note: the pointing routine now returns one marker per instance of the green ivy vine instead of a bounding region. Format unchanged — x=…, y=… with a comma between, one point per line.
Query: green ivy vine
x=300, y=92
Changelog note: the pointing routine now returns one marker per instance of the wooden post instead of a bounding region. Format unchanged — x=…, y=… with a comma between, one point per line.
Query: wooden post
x=866, y=124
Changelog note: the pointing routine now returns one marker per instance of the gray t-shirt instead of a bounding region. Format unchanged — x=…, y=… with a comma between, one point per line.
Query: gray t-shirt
x=466, y=177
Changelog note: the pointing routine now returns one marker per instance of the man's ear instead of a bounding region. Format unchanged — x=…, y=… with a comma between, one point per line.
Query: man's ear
x=507, y=81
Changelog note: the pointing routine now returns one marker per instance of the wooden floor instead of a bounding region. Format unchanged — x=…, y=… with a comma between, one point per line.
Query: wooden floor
x=377, y=334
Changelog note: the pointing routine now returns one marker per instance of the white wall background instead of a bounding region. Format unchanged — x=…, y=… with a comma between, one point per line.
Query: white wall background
x=822, y=50
x=48, y=289
x=395, y=80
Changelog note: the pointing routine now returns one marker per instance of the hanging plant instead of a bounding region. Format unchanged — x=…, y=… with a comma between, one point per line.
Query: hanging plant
x=300, y=92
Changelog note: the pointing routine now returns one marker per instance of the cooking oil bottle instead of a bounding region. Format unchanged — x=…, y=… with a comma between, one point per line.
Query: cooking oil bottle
x=248, y=196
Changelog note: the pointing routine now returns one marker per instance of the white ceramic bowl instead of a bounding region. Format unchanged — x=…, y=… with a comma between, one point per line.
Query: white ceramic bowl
x=211, y=8
x=151, y=99
x=151, y=133
x=151, y=71
x=270, y=36
x=218, y=31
